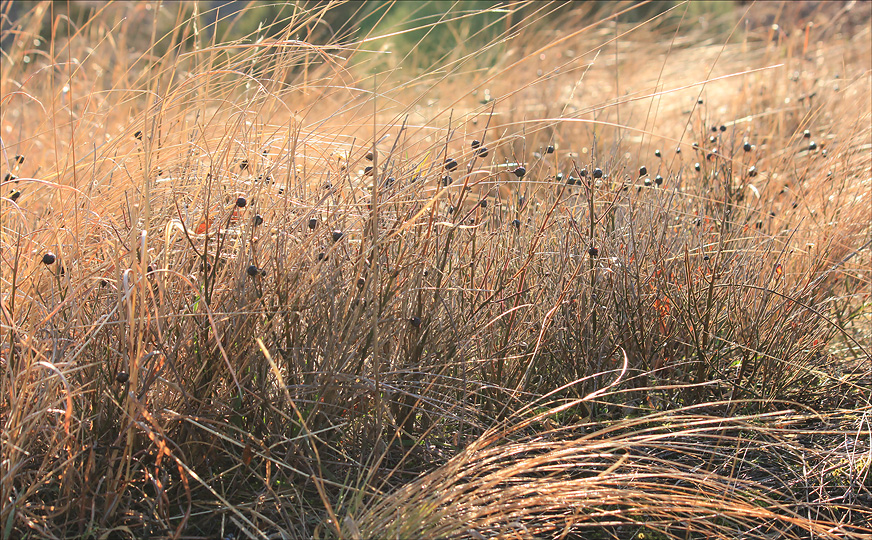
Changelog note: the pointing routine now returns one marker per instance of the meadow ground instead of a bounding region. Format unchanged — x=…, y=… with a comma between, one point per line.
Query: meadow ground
x=436, y=270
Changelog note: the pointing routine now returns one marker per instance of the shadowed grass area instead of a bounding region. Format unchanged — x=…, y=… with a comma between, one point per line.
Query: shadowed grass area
x=585, y=272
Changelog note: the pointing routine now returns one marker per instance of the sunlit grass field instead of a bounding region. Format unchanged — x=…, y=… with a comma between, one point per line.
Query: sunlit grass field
x=405, y=270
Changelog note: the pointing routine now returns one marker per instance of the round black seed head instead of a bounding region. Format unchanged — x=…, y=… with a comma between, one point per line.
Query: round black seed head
x=713, y=139
x=520, y=172
x=647, y=181
x=122, y=377
x=482, y=152
x=714, y=129
x=573, y=181
x=696, y=166
x=643, y=170
x=367, y=171
x=321, y=256
x=593, y=252
x=14, y=195
x=658, y=179
x=597, y=173
x=475, y=143
x=806, y=134
x=241, y=202
x=337, y=235
x=258, y=220
x=824, y=152
x=677, y=149
x=369, y=156
x=695, y=146
x=583, y=173
x=19, y=159
x=752, y=172
x=49, y=258
x=138, y=135
x=723, y=128
x=549, y=149
x=415, y=321
x=313, y=223
x=447, y=180
x=657, y=153
x=252, y=270
x=361, y=282
x=812, y=145
x=483, y=203
x=746, y=147
x=516, y=223
x=450, y=164
x=706, y=258
x=699, y=101
x=450, y=210
x=390, y=181
x=243, y=164
x=559, y=177
x=9, y=177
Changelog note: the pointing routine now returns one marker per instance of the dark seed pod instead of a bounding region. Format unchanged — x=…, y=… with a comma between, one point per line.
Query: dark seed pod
x=313, y=222
x=573, y=181
x=658, y=179
x=415, y=321
x=583, y=173
x=49, y=258
x=699, y=101
x=450, y=210
x=752, y=172
x=593, y=252
x=678, y=150
x=337, y=235
x=549, y=149
x=714, y=129
x=657, y=153
x=597, y=173
x=14, y=195
x=559, y=177
x=367, y=171
x=262, y=272
x=138, y=135
x=389, y=181
x=483, y=203
x=19, y=159
x=321, y=256
x=243, y=164
x=643, y=170
x=520, y=172
x=9, y=177
x=806, y=134
x=812, y=145
x=759, y=224
x=746, y=147
x=241, y=202
x=447, y=180
x=369, y=156
x=723, y=128
x=258, y=220
x=361, y=282
x=713, y=139
x=450, y=164
x=482, y=152
x=647, y=182
x=697, y=166
x=516, y=223
x=149, y=270
x=695, y=146
x=122, y=377
x=252, y=270
x=475, y=143
x=706, y=258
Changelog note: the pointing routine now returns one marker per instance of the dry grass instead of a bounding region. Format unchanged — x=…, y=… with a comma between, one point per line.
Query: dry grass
x=243, y=332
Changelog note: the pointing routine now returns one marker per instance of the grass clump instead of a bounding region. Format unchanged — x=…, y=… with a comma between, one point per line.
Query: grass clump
x=601, y=279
